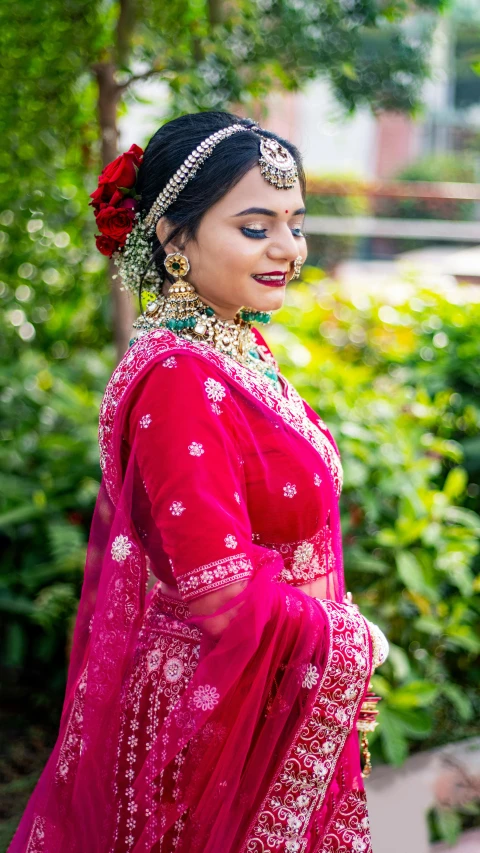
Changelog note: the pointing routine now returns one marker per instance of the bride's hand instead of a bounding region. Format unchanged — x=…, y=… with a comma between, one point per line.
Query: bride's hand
x=348, y=599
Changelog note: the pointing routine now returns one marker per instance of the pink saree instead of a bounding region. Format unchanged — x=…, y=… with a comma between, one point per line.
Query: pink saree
x=211, y=704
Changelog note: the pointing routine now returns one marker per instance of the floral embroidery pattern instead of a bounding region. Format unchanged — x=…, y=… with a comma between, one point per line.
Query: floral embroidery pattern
x=317, y=479
x=237, y=497
x=166, y=659
x=230, y=541
x=214, y=575
x=195, y=448
x=173, y=670
x=153, y=661
x=215, y=390
x=307, y=559
x=145, y=421
x=303, y=555
x=171, y=361
x=176, y=508
x=205, y=697
x=72, y=741
x=289, y=490
x=311, y=676
x=121, y=547
x=304, y=776
x=216, y=409
x=349, y=827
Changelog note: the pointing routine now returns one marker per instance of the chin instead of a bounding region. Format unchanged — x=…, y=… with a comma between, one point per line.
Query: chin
x=273, y=302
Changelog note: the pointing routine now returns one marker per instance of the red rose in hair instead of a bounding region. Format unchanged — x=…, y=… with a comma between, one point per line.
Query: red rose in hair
x=106, y=245
x=116, y=222
x=114, y=207
x=105, y=194
x=122, y=172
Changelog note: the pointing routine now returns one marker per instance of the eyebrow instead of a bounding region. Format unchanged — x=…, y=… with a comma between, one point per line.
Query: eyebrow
x=263, y=211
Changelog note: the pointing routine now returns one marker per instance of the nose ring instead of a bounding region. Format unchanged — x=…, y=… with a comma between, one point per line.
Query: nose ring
x=297, y=267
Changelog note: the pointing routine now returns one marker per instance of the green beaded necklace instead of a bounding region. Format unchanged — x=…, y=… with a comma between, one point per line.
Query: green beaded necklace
x=187, y=316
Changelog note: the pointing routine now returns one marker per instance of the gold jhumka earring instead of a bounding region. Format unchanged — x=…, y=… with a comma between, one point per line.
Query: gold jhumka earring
x=179, y=310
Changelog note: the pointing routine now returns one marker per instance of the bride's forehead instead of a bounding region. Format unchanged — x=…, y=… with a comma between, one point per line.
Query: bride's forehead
x=252, y=190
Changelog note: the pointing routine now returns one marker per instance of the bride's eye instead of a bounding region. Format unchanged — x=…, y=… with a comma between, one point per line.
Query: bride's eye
x=256, y=233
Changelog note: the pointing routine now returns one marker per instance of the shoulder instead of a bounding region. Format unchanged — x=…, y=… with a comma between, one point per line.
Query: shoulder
x=170, y=362
x=164, y=354
x=176, y=382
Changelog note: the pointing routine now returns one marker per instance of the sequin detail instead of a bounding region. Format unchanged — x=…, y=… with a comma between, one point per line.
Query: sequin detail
x=176, y=508
x=230, y=541
x=214, y=575
x=311, y=676
x=306, y=559
x=145, y=421
x=173, y=670
x=289, y=490
x=196, y=448
x=121, y=547
x=215, y=390
x=349, y=827
x=36, y=841
x=171, y=361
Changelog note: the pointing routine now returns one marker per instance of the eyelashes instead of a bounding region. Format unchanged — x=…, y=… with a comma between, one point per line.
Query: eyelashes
x=260, y=233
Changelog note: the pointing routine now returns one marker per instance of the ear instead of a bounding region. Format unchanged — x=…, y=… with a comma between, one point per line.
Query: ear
x=163, y=229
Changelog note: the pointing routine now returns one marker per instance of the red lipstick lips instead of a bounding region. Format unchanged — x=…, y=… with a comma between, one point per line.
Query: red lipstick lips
x=277, y=278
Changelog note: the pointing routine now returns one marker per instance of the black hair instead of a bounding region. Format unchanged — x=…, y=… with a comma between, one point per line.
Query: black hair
x=228, y=163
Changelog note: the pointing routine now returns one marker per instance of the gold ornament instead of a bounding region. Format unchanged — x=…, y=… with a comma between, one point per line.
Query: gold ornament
x=183, y=312
x=177, y=264
x=297, y=267
x=277, y=165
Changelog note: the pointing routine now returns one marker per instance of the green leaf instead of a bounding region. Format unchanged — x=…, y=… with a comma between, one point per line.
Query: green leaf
x=416, y=694
x=448, y=824
x=410, y=572
x=394, y=742
x=455, y=483
x=415, y=724
x=458, y=699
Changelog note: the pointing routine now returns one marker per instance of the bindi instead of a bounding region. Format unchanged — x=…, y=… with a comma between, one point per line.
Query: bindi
x=286, y=211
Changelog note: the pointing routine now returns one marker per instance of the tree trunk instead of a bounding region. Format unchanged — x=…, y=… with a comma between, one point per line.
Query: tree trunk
x=123, y=312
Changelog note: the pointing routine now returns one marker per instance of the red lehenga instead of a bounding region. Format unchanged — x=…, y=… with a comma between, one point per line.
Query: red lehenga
x=233, y=731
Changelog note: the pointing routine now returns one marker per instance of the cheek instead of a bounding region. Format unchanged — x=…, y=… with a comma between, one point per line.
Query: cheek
x=242, y=253
x=226, y=250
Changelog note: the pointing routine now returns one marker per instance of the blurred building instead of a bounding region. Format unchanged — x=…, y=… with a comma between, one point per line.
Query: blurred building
x=371, y=147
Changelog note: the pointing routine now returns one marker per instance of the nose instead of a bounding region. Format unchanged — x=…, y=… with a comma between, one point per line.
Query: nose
x=285, y=247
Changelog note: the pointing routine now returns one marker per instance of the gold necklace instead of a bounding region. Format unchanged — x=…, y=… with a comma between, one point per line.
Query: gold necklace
x=183, y=312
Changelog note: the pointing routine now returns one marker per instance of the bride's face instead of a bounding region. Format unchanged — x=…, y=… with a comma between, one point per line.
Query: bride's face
x=253, y=231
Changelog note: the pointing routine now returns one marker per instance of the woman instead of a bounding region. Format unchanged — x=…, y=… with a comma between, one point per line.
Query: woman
x=218, y=669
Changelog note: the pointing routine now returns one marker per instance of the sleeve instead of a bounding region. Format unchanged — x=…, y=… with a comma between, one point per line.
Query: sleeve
x=182, y=429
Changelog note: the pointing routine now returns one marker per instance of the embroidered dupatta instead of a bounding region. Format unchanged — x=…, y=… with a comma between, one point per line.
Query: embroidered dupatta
x=267, y=722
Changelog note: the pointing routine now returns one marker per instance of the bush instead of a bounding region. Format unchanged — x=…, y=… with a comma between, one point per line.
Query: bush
x=55, y=360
